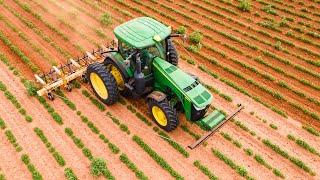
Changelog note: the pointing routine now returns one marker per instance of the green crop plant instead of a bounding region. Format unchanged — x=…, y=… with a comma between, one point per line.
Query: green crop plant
x=172, y=143
x=260, y=160
x=245, y=5
x=32, y=169
x=186, y=129
x=60, y=160
x=2, y=124
x=98, y=167
x=273, y=126
x=106, y=19
x=139, y=174
x=229, y=138
x=205, y=170
x=303, y=144
x=244, y=127
x=248, y=151
x=240, y=170
x=94, y=101
x=12, y=139
x=181, y=30
x=123, y=127
x=269, y=9
x=196, y=37
x=69, y=174
x=70, y=104
x=100, y=33
x=156, y=157
x=284, y=154
x=311, y=130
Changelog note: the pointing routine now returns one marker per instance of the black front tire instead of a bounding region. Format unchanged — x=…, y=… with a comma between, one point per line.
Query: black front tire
x=170, y=113
x=108, y=80
x=173, y=56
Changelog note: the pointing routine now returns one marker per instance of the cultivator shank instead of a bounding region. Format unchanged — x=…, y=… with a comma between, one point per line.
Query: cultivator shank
x=64, y=74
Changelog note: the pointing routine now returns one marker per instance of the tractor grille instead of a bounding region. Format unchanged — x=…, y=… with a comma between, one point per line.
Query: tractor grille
x=171, y=69
x=206, y=95
x=188, y=88
x=199, y=99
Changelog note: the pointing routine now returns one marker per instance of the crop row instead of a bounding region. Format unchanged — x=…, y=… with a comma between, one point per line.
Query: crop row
x=284, y=154
x=39, y=32
x=87, y=152
x=229, y=138
x=25, y=158
x=265, y=42
x=60, y=160
x=94, y=100
x=14, y=101
x=216, y=91
x=205, y=170
x=24, y=37
x=29, y=10
x=256, y=30
x=35, y=173
x=69, y=174
x=302, y=10
x=303, y=144
x=139, y=174
x=261, y=161
x=311, y=130
x=156, y=157
x=186, y=129
x=239, y=169
x=122, y=126
x=174, y=144
x=244, y=127
x=249, y=152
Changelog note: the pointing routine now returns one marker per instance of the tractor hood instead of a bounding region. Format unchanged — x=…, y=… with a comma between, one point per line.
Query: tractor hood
x=192, y=89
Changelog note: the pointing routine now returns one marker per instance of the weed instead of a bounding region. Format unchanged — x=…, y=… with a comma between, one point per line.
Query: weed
x=181, y=30
x=245, y=5
x=106, y=19
x=195, y=37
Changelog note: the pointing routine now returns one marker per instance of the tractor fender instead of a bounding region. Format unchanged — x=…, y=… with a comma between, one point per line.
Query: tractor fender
x=112, y=60
x=157, y=96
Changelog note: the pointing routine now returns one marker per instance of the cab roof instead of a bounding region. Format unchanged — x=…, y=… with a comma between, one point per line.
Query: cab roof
x=142, y=32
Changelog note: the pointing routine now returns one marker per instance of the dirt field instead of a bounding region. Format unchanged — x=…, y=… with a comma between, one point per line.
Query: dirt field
x=267, y=59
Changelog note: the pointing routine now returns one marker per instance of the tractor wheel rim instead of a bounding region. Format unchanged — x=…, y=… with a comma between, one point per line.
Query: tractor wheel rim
x=159, y=115
x=98, y=85
x=117, y=76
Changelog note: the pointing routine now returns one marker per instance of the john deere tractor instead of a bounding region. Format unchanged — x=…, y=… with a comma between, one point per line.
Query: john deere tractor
x=144, y=65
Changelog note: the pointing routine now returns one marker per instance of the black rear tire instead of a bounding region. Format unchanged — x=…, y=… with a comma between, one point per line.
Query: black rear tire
x=173, y=56
x=108, y=80
x=125, y=91
x=170, y=114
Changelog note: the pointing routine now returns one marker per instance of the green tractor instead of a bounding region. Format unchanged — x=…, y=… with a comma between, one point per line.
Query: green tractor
x=144, y=65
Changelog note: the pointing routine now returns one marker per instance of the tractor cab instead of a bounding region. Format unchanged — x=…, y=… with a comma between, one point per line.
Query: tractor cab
x=148, y=37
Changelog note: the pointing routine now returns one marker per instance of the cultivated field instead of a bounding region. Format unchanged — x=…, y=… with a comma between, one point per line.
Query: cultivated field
x=266, y=58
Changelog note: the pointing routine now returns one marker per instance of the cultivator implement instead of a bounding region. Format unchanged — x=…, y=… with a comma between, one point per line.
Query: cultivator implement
x=63, y=75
